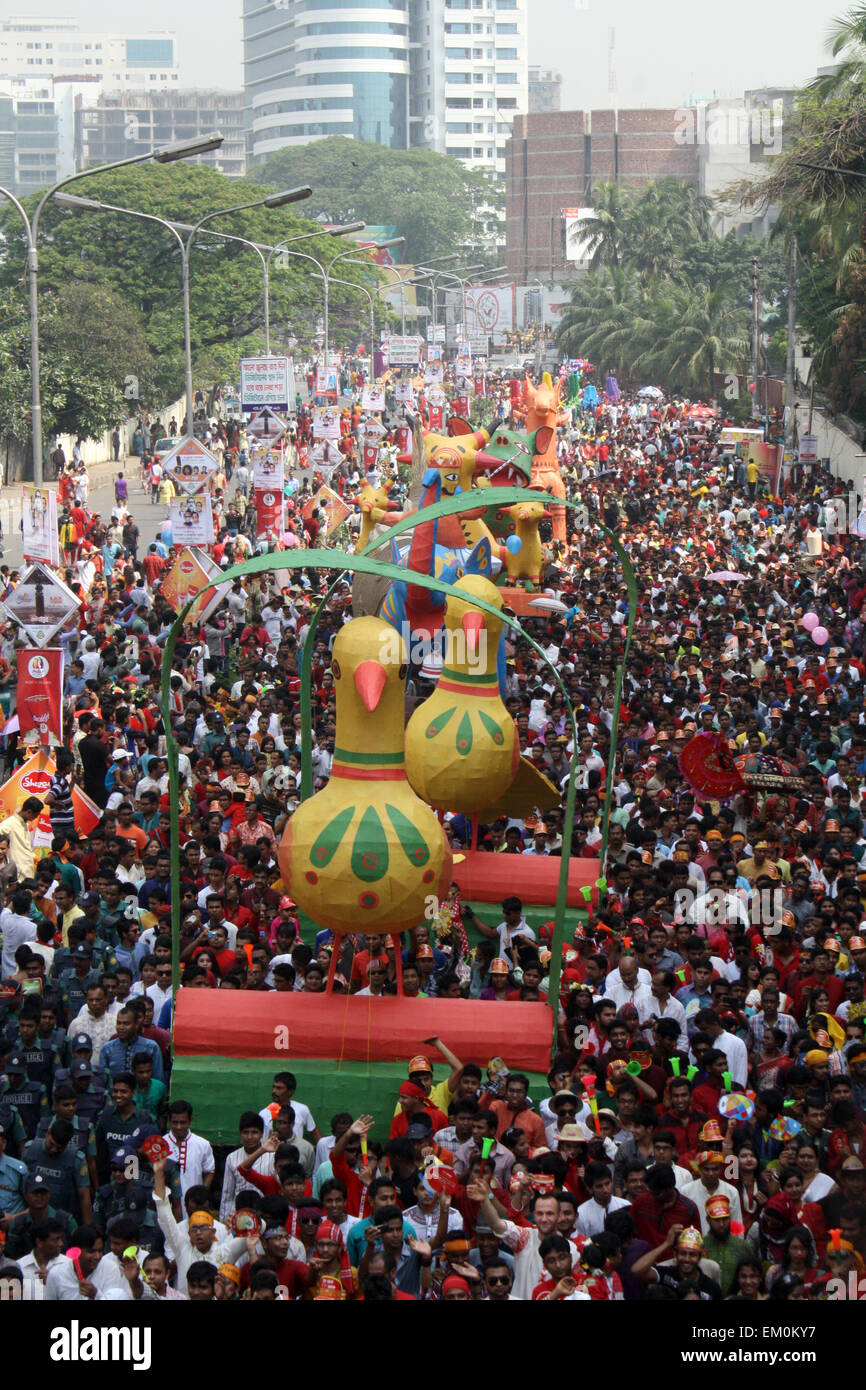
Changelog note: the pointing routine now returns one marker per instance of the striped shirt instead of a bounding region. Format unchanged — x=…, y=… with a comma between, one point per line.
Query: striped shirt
x=62, y=813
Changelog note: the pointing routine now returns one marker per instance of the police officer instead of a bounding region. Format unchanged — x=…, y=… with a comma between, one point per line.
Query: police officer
x=30, y=1098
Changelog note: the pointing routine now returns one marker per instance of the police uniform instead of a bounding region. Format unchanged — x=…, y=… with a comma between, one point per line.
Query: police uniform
x=30, y=1098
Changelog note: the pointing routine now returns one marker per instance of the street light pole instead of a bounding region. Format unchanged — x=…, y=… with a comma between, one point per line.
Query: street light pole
x=350, y=250
x=343, y=230
x=168, y=154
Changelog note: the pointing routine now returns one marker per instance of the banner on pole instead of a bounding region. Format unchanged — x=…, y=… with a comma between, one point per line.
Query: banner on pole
x=190, y=466
x=40, y=696
x=269, y=510
x=39, y=536
x=267, y=381
x=41, y=604
x=192, y=520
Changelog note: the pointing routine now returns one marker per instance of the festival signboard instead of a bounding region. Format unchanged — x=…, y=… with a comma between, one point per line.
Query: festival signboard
x=190, y=466
x=40, y=604
x=191, y=520
x=267, y=382
x=39, y=536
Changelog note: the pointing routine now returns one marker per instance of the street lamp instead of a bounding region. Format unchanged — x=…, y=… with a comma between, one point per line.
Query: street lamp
x=350, y=250
x=344, y=230
x=166, y=154
x=273, y=200
x=356, y=285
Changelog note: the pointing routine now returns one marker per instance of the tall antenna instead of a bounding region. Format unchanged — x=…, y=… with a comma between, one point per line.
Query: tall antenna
x=611, y=59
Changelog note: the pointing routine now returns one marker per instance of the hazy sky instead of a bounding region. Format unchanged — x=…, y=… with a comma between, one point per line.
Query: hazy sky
x=665, y=50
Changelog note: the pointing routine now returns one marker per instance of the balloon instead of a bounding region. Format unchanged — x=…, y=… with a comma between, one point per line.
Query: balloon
x=820, y=636
x=514, y=545
x=809, y=621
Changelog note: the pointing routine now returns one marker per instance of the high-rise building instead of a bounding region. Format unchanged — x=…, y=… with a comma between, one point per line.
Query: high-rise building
x=545, y=90
x=469, y=77
x=314, y=68
x=447, y=75
x=60, y=48
x=114, y=125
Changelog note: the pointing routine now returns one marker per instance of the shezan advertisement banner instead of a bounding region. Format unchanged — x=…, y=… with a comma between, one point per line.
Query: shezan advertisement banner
x=192, y=575
x=39, y=536
x=192, y=520
x=190, y=466
x=267, y=381
x=40, y=696
x=33, y=778
x=40, y=604
x=331, y=507
x=373, y=398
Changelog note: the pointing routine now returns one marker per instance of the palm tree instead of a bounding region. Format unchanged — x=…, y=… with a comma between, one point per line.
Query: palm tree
x=695, y=331
x=602, y=231
x=847, y=37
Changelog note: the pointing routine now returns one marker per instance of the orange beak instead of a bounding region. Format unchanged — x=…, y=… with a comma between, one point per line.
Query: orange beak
x=370, y=678
x=472, y=625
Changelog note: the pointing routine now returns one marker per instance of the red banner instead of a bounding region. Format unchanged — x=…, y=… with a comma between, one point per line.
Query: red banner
x=269, y=510
x=40, y=696
x=403, y=438
x=437, y=413
x=371, y=455
x=479, y=384
x=461, y=406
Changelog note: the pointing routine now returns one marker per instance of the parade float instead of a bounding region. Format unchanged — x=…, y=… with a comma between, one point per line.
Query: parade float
x=367, y=854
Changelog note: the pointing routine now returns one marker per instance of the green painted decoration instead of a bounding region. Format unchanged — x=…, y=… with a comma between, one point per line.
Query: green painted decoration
x=438, y=724
x=328, y=842
x=413, y=845
x=370, y=850
x=464, y=735
x=492, y=727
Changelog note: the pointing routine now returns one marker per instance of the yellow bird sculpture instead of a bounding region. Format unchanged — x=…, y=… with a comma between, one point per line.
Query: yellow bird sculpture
x=365, y=854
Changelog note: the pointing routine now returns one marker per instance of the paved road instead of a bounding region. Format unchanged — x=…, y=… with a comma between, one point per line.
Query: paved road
x=148, y=517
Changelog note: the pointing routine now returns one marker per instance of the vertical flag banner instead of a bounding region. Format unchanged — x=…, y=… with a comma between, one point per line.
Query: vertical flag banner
x=269, y=510
x=40, y=696
x=39, y=537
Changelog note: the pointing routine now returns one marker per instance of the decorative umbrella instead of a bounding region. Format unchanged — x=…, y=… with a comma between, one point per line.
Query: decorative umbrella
x=737, y=1107
x=764, y=772
x=785, y=1127
x=709, y=768
x=727, y=576
x=702, y=412
x=549, y=604
x=651, y=391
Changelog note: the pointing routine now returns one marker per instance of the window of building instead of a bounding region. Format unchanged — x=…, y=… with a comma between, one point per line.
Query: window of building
x=478, y=76
x=507, y=53
x=506, y=29
x=507, y=77
x=461, y=53
x=461, y=79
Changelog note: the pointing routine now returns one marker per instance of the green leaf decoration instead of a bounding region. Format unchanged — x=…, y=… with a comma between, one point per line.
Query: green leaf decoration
x=370, y=850
x=328, y=842
x=464, y=735
x=413, y=845
x=493, y=729
x=438, y=724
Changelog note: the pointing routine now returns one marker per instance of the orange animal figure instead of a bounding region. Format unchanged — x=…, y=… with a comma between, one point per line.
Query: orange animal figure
x=543, y=414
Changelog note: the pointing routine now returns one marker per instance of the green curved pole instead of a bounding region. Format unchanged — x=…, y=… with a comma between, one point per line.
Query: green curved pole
x=364, y=563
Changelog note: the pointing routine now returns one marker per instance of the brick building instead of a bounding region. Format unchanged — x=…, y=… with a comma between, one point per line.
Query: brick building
x=551, y=163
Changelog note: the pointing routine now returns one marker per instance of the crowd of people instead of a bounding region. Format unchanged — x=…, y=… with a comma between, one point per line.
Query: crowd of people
x=700, y=1134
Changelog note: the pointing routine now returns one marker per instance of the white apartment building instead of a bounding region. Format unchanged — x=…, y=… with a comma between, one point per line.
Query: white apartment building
x=59, y=48
x=470, y=77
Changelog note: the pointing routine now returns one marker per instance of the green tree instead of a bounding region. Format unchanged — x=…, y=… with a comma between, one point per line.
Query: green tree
x=434, y=202
x=139, y=263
